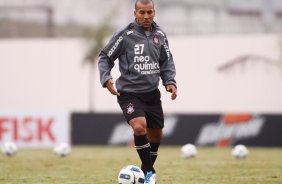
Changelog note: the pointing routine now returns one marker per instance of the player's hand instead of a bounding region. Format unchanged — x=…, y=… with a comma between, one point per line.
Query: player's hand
x=171, y=88
x=111, y=88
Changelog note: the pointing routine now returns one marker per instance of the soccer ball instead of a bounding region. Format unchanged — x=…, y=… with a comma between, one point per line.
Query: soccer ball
x=62, y=149
x=131, y=174
x=240, y=151
x=188, y=151
x=9, y=148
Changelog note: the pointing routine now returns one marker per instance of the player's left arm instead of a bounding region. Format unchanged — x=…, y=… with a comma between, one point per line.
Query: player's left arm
x=167, y=69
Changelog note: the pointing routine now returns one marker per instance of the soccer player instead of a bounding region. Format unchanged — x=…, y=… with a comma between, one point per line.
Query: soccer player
x=144, y=58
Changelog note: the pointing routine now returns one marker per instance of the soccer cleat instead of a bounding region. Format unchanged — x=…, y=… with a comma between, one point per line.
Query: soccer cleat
x=150, y=178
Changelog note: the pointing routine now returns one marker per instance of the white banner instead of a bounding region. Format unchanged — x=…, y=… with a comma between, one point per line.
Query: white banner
x=34, y=129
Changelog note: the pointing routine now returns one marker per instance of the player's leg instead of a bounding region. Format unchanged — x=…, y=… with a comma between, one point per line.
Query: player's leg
x=133, y=111
x=155, y=123
x=142, y=144
x=155, y=137
x=143, y=148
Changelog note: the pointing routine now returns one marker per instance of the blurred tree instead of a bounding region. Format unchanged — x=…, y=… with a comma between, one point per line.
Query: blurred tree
x=95, y=37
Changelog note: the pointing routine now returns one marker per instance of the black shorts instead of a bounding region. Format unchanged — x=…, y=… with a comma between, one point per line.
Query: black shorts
x=146, y=105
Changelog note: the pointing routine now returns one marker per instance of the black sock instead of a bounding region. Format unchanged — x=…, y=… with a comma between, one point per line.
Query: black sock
x=154, y=151
x=143, y=148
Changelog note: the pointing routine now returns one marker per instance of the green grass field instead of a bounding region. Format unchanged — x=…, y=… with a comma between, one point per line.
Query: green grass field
x=101, y=165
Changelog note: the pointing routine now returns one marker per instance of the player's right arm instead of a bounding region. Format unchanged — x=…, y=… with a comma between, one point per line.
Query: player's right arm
x=107, y=57
x=111, y=88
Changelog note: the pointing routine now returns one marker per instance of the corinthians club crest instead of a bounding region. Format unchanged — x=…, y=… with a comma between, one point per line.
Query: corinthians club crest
x=156, y=39
x=130, y=108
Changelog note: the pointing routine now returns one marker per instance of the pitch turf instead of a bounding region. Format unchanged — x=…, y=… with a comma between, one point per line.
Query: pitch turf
x=100, y=165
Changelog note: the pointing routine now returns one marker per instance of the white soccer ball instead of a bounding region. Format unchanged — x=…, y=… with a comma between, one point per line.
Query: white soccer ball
x=62, y=149
x=240, y=151
x=188, y=151
x=9, y=148
x=131, y=174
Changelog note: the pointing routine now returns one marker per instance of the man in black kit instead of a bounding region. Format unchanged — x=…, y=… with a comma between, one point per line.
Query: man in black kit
x=144, y=58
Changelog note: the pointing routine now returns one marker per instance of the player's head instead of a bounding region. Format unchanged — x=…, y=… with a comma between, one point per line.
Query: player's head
x=144, y=13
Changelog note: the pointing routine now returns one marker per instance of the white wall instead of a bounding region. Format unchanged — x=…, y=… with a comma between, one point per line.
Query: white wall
x=42, y=74
x=49, y=75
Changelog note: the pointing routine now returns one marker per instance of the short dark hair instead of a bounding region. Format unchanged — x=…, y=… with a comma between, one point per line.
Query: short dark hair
x=143, y=2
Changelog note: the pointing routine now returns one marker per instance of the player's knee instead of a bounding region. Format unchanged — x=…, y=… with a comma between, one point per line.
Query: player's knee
x=155, y=136
x=138, y=125
x=139, y=130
